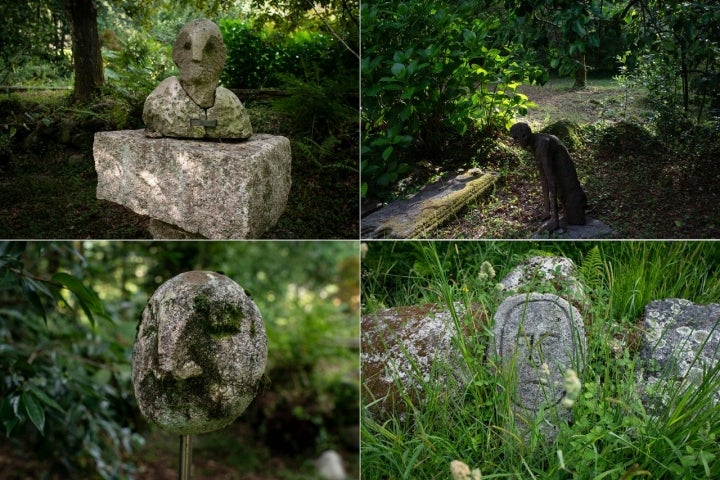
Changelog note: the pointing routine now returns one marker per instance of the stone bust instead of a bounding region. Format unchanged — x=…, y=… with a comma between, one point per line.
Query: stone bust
x=193, y=106
x=199, y=354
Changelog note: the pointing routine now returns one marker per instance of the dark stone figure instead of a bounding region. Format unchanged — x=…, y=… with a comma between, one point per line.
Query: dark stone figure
x=557, y=174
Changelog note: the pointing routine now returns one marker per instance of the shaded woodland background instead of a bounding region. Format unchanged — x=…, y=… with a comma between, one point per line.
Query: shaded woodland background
x=71, y=68
x=442, y=81
x=68, y=317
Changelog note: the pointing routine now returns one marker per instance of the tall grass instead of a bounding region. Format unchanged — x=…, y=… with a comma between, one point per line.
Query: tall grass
x=612, y=434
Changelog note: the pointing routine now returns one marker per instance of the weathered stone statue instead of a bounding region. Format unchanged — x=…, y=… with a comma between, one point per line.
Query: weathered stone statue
x=199, y=354
x=188, y=186
x=193, y=106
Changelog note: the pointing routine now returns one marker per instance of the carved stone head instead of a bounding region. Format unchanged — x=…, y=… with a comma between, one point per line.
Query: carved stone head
x=199, y=53
x=521, y=133
x=199, y=354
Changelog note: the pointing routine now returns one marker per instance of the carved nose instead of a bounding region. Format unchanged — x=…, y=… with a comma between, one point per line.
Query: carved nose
x=173, y=359
x=197, y=51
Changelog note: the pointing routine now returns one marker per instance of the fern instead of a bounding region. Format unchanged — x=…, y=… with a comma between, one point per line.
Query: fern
x=592, y=269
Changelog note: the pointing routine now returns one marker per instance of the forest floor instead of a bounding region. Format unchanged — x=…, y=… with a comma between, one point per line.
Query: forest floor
x=640, y=184
x=48, y=180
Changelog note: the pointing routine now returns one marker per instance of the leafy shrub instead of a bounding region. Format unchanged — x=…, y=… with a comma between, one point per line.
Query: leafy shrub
x=258, y=55
x=65, y=389
x=429, y=68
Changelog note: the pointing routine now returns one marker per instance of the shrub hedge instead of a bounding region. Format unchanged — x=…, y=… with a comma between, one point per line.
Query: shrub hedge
x=257, y=55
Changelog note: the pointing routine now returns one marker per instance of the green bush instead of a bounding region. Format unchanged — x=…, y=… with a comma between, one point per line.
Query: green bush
x=258, y=55
x=65, y=388
x=428, y=69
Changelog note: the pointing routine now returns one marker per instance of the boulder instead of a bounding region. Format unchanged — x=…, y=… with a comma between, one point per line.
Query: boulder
x=199, y=354
x=220, y=190
x=170, y=111
x=680, y=341
x=405, y=348
x=547, y=275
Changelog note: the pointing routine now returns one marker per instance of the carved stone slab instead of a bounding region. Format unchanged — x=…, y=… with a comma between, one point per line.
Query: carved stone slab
x=537, y=337
x=429, y=208
x=199, y=354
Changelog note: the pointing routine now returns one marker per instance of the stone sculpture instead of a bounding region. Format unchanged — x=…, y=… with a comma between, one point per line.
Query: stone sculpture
x=189, y=186
x=193, y=105
x=199, y=355
x=538, y=337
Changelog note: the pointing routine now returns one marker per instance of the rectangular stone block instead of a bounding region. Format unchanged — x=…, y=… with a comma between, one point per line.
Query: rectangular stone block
x=220, y=190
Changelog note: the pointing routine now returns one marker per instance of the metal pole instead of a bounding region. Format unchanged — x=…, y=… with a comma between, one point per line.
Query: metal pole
x=185, y=456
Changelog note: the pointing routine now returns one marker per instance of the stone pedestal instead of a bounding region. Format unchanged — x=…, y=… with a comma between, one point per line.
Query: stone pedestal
x=217, y=189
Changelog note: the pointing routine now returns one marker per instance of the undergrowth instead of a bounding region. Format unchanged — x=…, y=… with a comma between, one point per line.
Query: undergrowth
x=613, y=434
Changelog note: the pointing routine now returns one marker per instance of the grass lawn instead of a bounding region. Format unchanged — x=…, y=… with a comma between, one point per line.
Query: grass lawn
x=611, y=434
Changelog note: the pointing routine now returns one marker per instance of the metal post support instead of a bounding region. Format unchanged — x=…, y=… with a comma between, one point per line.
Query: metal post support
x=185, y=456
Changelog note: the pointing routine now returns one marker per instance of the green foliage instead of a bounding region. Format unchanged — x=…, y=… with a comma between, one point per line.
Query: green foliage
x=430, y=68
x=675, y=56
x=259, y=54
x=65, y=388
x=612, y=434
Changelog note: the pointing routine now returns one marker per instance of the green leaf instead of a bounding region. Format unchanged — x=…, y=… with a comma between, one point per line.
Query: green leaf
x=88, y=299
x=397, y=69
x=34, y=410
x=46, y=399
x=32, y=296
x=578, y=28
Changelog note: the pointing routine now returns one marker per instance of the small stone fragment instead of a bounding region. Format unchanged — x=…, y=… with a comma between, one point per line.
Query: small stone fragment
x=199, y=354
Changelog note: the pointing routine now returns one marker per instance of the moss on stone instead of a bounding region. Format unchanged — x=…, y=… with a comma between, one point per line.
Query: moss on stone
x=219, y=319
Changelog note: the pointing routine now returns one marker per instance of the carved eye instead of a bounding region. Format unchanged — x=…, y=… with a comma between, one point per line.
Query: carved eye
x=187, y=45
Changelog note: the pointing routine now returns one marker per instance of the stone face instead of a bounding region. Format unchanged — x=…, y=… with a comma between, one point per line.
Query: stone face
x=199, y=354
x=169, y=110
x=401, y=346
x=537, y=337
x=218, y=190
x=193, y=106
x=199, y=53
x=680, y=339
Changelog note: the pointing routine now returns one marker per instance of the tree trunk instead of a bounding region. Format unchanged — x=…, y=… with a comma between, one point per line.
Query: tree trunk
x=87, y=60
x=580, y=72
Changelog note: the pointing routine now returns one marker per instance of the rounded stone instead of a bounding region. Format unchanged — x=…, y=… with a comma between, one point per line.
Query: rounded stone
x=199, y=354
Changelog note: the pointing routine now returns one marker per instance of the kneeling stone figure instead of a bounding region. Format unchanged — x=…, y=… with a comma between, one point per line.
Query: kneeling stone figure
x=557, y=175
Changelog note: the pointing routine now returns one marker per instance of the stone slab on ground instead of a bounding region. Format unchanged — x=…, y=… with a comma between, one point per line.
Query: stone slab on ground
x=429, y=208
x=220, y=190
x=536, y=338
x=680, y=340
x=403, y=347
x=592, y=229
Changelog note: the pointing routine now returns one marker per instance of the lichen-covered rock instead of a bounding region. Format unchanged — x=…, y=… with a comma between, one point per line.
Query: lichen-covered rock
x=537, y=338
x=547, y=275
x=169, y=110
x=227, y=190
x=403, y=346
x=681, y=339
x=199, y=354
